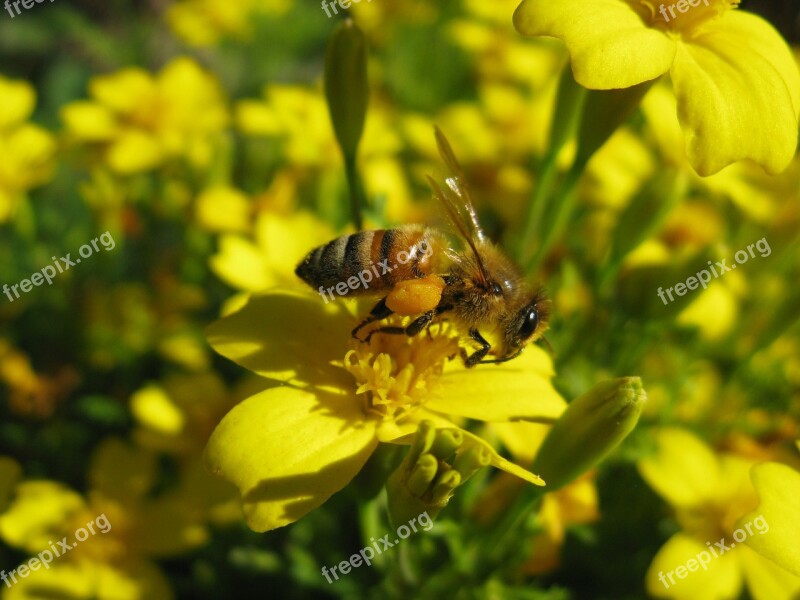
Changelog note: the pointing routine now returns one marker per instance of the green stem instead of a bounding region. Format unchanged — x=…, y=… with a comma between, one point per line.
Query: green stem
x=570, y=102
x=372, y=525
x=489, y=552
x=535, y=208
x=559, y=214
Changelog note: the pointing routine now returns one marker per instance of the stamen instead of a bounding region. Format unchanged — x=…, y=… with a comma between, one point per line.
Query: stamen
x=397, y=373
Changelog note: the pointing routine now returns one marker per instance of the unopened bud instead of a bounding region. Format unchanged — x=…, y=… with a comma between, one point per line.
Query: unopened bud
x=593, y=425
x=438, y=461
x=346, y=84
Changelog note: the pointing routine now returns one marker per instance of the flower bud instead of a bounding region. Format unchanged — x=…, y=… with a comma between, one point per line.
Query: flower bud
x=346, y=84
x=438, y=461
x=593, y=425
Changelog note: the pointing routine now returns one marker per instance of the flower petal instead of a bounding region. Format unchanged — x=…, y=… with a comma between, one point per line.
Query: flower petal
x=19, y=99
x=122, y=471
x=521, y=439
x=721, y=579
x=240, y=264
x=684, y=470
x=765, y=579
x=738, y=91
x=223, y=208
x=513, y=469
x=38, y=513
x=93, y=579
x=778, y=487
x=134, y=151
x=496, y=461
x=289, y=450
x=608, y=41
x=287, y=335
x=391, y=431
x=519, y=389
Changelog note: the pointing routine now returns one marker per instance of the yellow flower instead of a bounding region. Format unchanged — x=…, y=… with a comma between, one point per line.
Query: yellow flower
x=178, y=415
x=289, y=448
x=714, y=312
x=223, y=208
x=709, y=493
x=298, y=118
x=778, y=487
x=296, y=114
x=132, y=318
x=142, y=121
x=131, y=527
x=279, y=244
x=204, y=22
x=735, y=79
x=743, y=183
x=618, y=170
x=27, y=149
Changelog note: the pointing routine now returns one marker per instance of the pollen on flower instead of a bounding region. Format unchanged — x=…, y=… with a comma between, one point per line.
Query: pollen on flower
x=396, y=373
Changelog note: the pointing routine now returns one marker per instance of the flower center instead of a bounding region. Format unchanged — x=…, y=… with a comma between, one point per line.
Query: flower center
x=684, y=15
x=396, y=373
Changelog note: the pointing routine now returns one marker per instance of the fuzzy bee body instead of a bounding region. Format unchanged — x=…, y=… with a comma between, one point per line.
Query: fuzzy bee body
x=419, y=275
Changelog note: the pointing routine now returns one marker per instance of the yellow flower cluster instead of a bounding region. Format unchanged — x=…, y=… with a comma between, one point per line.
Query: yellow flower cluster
x=612, y=149
x=28, y=149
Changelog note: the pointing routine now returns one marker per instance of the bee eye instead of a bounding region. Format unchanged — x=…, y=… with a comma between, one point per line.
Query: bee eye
x=496, y=289
x=530, y=321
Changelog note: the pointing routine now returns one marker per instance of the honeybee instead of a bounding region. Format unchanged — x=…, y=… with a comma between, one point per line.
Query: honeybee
x=421, y=276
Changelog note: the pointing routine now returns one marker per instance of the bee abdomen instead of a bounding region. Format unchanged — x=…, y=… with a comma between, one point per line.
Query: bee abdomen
x=373, y=254
x=338, y=260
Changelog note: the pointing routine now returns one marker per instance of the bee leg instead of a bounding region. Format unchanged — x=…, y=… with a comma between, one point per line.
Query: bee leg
x=504, y=358
x=378, y=312
x=477, y=356
x=411, y=330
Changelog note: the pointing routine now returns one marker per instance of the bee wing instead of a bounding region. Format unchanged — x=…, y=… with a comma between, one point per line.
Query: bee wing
x=458, y=187
x=451, y=207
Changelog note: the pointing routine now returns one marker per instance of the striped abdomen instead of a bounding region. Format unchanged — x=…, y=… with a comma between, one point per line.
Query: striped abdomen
x=388, y=255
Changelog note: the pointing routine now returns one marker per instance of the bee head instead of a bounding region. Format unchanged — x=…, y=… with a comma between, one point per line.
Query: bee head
x=526, y=324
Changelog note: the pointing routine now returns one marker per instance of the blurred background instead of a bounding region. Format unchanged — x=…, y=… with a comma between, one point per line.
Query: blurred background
x=196, y=134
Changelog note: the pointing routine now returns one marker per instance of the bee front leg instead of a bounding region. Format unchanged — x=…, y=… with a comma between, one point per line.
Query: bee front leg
x=477, y=356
